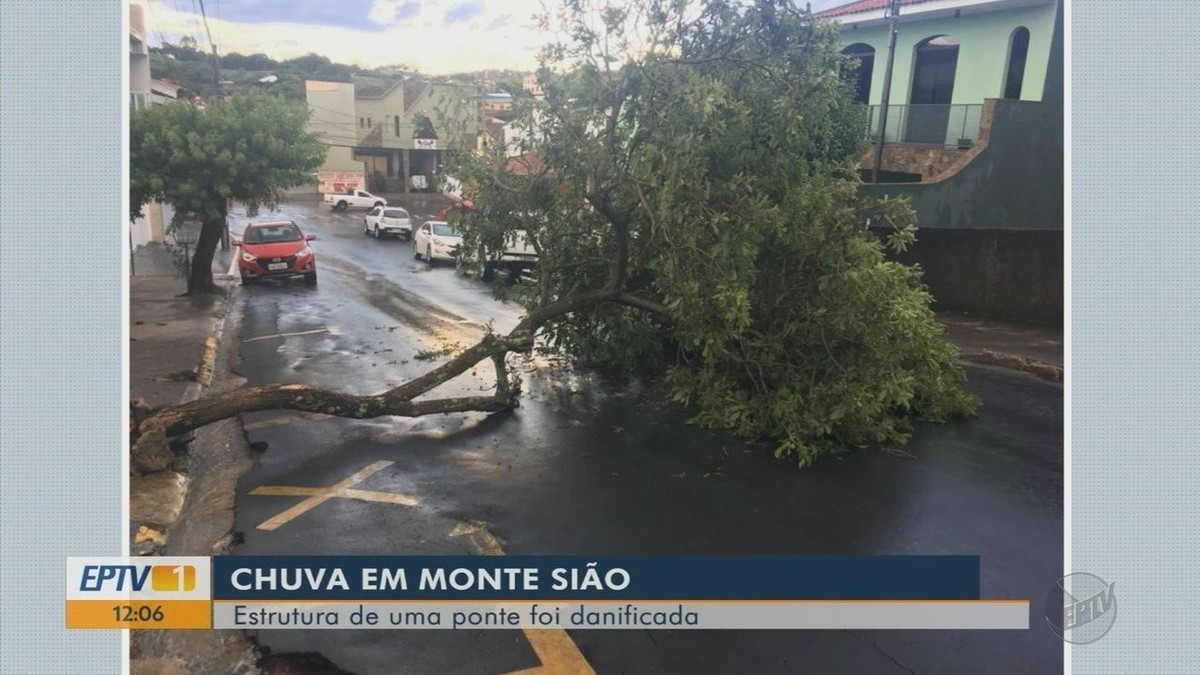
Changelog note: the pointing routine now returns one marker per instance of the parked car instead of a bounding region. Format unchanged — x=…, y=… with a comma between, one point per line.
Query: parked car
x=388, y=221
x=436, y=240
x=359, y=199
x=275, y=249
x=519, y=254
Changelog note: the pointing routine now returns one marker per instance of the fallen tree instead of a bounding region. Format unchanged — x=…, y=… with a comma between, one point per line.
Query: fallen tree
x=690, y=187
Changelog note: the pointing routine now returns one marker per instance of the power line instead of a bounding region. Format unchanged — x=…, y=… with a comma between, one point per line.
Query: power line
x=162, y=40
x=216, y=59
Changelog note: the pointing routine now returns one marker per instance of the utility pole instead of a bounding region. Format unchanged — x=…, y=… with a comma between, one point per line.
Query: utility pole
x=217, y=92
x=892, y=12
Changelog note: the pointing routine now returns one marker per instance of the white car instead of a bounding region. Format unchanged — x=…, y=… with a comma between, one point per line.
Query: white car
x=388, y=221
x=436, y=240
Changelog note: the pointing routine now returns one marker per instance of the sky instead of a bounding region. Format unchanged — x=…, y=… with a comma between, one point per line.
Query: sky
x=433, y=37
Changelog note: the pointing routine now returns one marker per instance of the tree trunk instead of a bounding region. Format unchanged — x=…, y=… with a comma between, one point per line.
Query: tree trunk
x=200, y=278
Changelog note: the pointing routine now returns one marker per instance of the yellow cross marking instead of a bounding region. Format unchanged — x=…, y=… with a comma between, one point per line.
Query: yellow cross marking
x=318, y=495
x=554, y=647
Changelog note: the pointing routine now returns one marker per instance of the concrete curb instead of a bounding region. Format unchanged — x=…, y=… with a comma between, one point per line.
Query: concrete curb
x=1040, y=369
x=211, y=509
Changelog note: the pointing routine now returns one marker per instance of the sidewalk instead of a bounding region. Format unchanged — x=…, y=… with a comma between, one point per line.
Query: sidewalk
x=169, y=333
x=1033, y=349
x=172, y=342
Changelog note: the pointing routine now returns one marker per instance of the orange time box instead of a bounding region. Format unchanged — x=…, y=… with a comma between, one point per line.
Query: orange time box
x=139, y=614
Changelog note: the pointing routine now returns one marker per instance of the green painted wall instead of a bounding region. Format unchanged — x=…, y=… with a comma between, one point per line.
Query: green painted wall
x=982, y=54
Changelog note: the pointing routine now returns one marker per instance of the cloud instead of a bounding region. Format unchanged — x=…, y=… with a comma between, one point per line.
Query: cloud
x=442, y=50
x=391, y=12
x=500, y=22
x=462, y=13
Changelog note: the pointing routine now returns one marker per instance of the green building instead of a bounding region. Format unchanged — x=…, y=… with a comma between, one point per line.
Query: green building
x=951, y=56
x=974, y=139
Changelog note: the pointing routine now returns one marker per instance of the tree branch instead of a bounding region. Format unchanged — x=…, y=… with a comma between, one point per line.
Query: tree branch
x=645, y=304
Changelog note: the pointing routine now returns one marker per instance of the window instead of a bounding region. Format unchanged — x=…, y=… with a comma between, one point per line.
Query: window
x=272, y=234
x=932, y=90
x=362, y=122
x=858, y=71
x=1018, y=50
x=396, y=125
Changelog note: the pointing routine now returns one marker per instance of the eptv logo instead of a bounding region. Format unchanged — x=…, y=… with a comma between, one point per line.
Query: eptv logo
x=118, y=578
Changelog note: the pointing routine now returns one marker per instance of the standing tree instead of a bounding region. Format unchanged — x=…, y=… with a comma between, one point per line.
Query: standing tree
x=247, y=149
x=689, y=181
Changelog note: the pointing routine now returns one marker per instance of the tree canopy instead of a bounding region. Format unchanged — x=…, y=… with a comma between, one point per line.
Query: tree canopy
x=247, y=149
x=701, y=156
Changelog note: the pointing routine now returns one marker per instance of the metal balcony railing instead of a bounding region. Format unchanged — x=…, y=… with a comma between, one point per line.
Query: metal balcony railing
x=929, y=124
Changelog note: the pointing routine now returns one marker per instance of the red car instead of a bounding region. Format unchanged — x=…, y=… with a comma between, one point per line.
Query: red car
x=276, y=249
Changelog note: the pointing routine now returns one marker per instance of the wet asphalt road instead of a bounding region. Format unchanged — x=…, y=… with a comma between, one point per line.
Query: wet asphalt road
x=586, y=468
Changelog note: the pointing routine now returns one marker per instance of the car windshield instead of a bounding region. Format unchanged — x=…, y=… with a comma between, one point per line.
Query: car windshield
x=445, y=230
x=395, y=213
x=271, y=234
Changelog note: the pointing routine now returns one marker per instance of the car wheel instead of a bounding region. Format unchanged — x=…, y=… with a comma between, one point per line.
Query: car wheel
x=341, y=206
x=376, y=231
x=366, y=227
x=489, y=272
x=247, y=281
x=311, y=278
x=378, y=203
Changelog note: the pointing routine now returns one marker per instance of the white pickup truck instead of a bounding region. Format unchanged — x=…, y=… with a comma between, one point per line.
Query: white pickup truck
x=519, y=257
x=358, y=199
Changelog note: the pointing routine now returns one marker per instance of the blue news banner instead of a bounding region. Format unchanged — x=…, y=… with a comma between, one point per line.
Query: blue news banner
x=575, y=592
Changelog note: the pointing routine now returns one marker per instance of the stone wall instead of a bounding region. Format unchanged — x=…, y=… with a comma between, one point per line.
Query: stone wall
x=930, y=161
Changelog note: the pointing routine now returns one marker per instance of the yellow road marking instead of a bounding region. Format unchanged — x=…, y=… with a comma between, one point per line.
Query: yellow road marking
x=317, y=496
x=280, y=335
x=385, y=497
x=554, y=647
x=287, y=491
x=483, y=540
